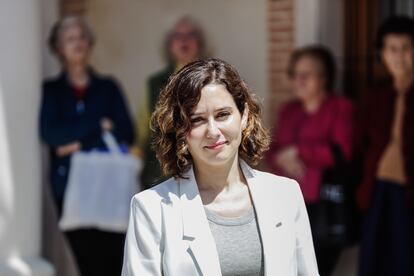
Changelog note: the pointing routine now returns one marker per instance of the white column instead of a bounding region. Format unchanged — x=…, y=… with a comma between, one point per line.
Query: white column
x=321, y=22
x=307, y=17
x=20, y=171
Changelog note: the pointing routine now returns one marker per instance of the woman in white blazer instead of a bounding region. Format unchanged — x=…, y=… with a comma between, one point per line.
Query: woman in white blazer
x=215, y=215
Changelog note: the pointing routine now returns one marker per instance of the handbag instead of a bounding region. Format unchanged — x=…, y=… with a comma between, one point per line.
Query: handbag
x=100, y=188
x=337, y=218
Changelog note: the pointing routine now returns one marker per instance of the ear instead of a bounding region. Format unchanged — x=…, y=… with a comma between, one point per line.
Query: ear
x=245, y=116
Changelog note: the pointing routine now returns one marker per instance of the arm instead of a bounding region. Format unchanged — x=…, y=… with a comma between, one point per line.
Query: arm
x=282, y=135
x=62, y=151
x=305, y=252
x=123, y=127
x=142, y=255
x=320, y=154
x=56, y=133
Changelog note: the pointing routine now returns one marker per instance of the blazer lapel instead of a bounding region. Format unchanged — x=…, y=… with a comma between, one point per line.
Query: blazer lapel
x=196, y=230
x=268, y=219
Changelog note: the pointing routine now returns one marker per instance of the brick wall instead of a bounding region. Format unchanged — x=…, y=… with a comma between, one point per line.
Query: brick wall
x=72, y=7
x=281, y=43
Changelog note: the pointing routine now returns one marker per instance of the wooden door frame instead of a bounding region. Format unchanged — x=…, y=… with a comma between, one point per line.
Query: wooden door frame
x=361, y=62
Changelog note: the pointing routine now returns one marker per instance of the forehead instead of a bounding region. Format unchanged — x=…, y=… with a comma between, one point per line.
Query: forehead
x=394, y=39
x=214, y=96
x=308, y=62
x=72, y=28
x=184, y=27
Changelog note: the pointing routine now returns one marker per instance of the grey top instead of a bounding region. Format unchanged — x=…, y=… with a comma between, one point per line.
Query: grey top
x=238, y=243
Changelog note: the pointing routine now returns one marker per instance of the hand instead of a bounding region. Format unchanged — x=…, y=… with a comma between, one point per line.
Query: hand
x=106, y=124
x=137, y=151
x=288, y=159
x=295, y=169
x=68, y=149
x=288, y=153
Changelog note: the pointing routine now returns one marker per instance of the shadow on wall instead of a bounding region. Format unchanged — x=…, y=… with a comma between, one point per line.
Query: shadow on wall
x=6, y=195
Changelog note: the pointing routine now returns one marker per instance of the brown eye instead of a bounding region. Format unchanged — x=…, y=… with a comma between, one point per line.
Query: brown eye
x=196, y=120
x=223, y=115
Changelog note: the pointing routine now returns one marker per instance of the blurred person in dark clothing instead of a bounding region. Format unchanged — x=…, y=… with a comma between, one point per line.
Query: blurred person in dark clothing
x=77, y=106
x=386, y=142
x=307, y=128
x=184, y=43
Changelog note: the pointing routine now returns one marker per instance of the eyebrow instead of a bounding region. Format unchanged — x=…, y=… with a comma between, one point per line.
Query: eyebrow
x=225, y=108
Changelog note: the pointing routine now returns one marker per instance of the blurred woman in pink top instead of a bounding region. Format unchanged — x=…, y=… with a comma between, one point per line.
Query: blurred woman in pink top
x=308, y=127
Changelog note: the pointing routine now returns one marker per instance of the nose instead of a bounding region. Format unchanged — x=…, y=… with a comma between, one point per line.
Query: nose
x=212, y=129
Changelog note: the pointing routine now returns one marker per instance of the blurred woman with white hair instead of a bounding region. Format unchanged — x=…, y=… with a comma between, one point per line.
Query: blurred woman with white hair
x=77, y=106
x=183, y=43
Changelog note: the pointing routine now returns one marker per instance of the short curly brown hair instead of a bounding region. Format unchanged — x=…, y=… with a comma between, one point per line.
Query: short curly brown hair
x=171, y=121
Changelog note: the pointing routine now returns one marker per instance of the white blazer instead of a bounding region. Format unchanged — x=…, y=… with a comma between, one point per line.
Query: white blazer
x=168, y=232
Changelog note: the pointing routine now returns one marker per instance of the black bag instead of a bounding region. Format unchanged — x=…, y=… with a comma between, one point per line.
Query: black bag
x=336, y=219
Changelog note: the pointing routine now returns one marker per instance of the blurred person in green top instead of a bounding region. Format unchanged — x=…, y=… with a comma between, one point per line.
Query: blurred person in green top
x=184, y=42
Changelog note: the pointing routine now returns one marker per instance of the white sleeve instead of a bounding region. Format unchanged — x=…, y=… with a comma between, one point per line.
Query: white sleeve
x=305, y=252
x=142, y=253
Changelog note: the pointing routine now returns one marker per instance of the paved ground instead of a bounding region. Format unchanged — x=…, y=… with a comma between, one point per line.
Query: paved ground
x=347, y=263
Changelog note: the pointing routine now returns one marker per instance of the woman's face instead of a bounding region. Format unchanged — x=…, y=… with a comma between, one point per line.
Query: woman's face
x=398, y=54
x=307, y=79
x=74, y=45
x=184, y=46
x=217, y=125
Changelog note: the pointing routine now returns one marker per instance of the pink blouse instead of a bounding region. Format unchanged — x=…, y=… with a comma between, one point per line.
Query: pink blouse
x=313, y=135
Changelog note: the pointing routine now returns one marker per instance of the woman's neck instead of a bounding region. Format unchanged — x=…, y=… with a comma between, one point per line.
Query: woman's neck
x=403, y=82
x=217, y=179
x=77, y=74
x=312, y=105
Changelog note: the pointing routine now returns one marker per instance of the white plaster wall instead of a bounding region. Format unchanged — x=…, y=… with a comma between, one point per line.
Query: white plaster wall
x=130, y=34
x=19, y=147
x=321, y=22
x=306, y=22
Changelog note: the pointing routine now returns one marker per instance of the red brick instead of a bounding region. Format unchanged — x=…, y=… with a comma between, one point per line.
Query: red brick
x=280, y=16
x=279, y=5
x=281, y=79
x=281, y=46
x=285, y=36
x=72, y=6
x=279, y=58
x=276, y=25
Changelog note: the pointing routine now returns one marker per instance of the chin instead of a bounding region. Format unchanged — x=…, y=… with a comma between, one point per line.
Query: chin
x=219, y=159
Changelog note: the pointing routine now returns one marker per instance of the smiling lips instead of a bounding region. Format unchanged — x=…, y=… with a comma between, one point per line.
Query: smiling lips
x=216, y=145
